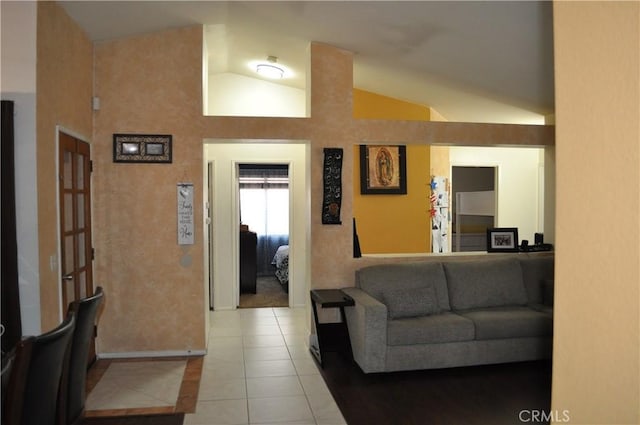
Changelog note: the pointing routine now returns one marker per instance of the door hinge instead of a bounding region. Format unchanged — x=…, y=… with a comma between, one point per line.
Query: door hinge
x=95, y=331
x=91, y=166
x=93, y=254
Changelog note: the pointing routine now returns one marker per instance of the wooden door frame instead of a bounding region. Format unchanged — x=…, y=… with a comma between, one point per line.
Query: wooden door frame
x=60, y=129
x=80, y=148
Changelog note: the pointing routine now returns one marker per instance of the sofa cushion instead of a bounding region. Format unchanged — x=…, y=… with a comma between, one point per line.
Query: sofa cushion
x=509, y=322
x=445, y=327
x=547, y=292
x=485, y=283
x=535, y=271
x=542, y=309
x=403, y=302
x=375, y=280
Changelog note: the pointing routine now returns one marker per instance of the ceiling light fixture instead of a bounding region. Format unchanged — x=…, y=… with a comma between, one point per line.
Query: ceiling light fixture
x=270, y=69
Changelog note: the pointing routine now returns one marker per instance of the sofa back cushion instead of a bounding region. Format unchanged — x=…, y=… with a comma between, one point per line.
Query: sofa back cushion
x=493, y=282
x=536, y=272
x=376, y=280
x=404, y=302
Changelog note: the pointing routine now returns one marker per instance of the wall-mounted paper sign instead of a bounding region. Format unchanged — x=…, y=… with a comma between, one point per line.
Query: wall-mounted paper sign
x=185, y=214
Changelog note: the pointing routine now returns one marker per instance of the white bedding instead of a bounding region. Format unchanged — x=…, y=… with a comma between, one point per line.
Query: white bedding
x=280, y=256
x=281, y=263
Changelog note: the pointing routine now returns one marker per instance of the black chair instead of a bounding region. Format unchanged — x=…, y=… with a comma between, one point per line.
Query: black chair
x=35, y=388
x=7, y=367
x=86, y=311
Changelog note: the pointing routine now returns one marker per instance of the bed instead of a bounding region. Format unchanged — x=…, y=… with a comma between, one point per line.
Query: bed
x=281, y=263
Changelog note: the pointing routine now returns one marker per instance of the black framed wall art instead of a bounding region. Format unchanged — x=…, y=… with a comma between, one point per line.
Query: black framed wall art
x=151, y=148
x=332, y=186
x=383, y=169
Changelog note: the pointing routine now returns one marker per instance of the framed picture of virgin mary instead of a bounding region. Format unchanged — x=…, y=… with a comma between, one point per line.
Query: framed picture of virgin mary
x=383, y=170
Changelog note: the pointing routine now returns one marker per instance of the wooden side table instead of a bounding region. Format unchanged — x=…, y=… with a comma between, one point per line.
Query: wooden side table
x=331, y=336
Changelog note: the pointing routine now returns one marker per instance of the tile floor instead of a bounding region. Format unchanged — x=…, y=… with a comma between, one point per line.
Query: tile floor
x=123, y=387
x=258, y=370
x=137, y=385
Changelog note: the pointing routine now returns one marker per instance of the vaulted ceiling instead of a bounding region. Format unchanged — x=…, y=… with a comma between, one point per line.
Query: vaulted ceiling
x=476, y=61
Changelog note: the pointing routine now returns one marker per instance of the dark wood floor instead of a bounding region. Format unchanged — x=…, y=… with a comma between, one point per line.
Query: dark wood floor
x=482, y=395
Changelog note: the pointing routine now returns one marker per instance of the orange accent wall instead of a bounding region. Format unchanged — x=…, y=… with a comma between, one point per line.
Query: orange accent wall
x=375, y=106
x=393, y=223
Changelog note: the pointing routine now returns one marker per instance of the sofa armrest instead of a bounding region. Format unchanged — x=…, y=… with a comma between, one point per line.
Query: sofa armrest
x=367, y=322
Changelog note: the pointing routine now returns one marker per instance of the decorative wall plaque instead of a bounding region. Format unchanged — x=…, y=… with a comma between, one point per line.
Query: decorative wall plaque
x=185, y=214
x=332, y=183
x=142, y=148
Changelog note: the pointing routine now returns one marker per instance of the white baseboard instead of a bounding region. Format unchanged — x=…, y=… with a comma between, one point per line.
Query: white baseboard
x=145, y=354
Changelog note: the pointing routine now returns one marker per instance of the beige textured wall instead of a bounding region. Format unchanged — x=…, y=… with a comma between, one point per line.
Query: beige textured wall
x=596, y=373
x=149, y=85
x=64, y=85
x=152, y=84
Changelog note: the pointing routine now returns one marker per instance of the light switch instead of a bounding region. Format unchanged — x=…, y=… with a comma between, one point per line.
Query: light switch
x=53, y=262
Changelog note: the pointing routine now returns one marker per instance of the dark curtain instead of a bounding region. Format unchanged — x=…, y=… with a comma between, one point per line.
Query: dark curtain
x=265, y=176
x=10, y=293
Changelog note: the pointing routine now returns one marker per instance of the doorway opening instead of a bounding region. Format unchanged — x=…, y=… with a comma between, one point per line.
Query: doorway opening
x=263, y=194
x=223, y=199
x=473, y=198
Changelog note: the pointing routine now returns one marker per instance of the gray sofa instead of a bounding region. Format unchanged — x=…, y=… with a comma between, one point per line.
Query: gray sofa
x=438, y=314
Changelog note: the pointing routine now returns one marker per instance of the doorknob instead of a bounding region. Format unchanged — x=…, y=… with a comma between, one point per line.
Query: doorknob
x=67, y=277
